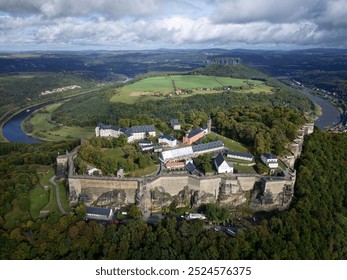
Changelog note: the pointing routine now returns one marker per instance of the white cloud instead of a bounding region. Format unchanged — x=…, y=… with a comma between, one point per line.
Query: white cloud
x=140, y=24
x=63, y=8
x=243, y=11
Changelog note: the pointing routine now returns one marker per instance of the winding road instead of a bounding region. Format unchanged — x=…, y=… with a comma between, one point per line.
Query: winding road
x=62, y=210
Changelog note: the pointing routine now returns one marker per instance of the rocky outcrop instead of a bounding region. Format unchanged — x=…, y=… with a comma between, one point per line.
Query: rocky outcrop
x=112, y=199
x=231, y=195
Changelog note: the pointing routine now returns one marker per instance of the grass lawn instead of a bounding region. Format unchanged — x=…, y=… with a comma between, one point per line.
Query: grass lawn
x=244, y=169
x=45, y=172
x=116, y=153
x=228, y=143
x=64, y=196
x=146, y=88
x=52, y=206
x=145, y=171
x=39, y=198
x=44, y=129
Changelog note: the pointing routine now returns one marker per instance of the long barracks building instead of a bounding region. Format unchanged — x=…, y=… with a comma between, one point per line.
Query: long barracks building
x=191, y=151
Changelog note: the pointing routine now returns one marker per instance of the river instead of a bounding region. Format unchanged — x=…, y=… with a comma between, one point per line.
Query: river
x=12, y=129
x=13, y=132
x=330, y=114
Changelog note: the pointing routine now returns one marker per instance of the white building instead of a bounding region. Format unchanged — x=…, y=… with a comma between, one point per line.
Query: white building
x=191, y=151
x=133, y=133
x=102, y=130
x=175, y=124
x=142, y=131
x=167, y=139
x=237, y=155
x=270, y=160
x=221, y=165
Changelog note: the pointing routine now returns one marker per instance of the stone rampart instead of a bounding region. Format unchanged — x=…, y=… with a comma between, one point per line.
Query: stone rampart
x=90, y=189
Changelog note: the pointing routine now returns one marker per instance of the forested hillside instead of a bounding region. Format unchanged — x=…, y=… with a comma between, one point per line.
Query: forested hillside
x=87, y=111
x=314, y=228
x=25, y=89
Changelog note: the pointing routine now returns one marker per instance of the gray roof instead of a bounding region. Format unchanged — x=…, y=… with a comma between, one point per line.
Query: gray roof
x=142, y=128
x=269, y=156
x=191, y=168
x=98, y=211
x=207, y=146
x=237, y=154
x=219, y=159
x=104, y=126
x=174, y=121
x=168, y=137
x=194, y=132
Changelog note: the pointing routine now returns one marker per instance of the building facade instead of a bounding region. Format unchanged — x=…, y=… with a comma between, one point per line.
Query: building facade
x=133, y=133
x=221, y=165
x=167, y=139
x=270, y=160
x=193, y=136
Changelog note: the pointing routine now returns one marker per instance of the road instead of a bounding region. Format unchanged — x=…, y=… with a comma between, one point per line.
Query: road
x=62, y=210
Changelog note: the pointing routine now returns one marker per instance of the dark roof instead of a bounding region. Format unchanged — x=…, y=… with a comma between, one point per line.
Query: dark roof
x=219, y=159
x=98, y=211
x=127, y=132
x=168, y=137
x=191, y=168
x=174, y=121
x=207, y=146
x=240, y=154
x=104, y=126
x=269, y=156
x=195, y=132
x=141, y=128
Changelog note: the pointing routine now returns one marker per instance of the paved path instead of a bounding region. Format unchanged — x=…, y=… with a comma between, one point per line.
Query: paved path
x=62, y=210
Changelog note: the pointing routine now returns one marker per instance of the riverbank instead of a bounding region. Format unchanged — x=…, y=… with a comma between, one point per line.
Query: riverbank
x=329, y=114
x=40, y=125
x=11, y=122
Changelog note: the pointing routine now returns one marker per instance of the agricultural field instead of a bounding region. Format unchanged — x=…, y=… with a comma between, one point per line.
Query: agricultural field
x=43, y=127
x=163, y=86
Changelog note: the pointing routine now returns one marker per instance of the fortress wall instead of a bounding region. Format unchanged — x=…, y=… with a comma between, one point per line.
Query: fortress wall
x=276, y=187
x=247, y=183
x=172, y=185
x=96, y=187
x=211, y=186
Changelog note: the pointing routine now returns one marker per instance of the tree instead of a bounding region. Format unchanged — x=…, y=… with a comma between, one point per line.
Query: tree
x=134, y=211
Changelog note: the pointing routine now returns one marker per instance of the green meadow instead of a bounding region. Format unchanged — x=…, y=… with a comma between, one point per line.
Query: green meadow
x=232, y=145
x=45, y=129
x=162, y=86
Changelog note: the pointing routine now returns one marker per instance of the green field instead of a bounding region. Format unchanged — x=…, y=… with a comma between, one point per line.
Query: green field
x=163, y=86
x=45, y=129
x=232, y=145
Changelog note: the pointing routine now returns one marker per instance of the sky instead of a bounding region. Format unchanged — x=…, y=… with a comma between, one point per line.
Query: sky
x=173, y=24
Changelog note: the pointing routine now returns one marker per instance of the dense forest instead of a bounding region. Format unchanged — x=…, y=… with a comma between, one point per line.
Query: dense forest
x=313, y=228
x=262, y=129
x=24, y=90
